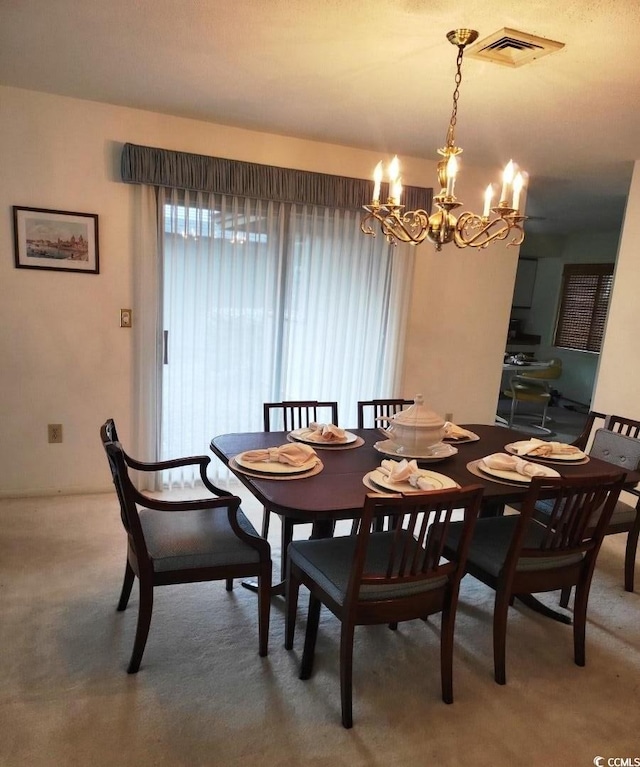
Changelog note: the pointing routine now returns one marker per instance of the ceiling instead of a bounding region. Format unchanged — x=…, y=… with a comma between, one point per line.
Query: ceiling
x=376, y=74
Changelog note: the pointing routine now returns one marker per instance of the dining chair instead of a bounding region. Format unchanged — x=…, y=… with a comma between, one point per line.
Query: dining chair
x=614, y=444
x=533, y=387
x=518, y=555
x=384, y=577
x=370, y=410
x=287, y=416
x=187, y=541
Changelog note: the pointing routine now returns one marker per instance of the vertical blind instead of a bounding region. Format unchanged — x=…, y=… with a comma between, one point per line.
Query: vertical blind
x=266, y=300
x=584, y=303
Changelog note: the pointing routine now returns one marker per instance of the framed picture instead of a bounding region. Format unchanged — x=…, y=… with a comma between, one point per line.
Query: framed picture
x=56, y=240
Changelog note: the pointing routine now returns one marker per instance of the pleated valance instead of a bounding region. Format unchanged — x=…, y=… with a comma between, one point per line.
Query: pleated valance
x=182, y=170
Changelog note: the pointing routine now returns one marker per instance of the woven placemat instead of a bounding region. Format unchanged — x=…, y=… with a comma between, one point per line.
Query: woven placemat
x=235, y=466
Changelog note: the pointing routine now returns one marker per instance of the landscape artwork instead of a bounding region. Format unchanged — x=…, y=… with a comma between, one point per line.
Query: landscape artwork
x=56, y=240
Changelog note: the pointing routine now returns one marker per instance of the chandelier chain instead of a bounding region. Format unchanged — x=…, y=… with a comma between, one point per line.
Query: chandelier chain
x=456, y=96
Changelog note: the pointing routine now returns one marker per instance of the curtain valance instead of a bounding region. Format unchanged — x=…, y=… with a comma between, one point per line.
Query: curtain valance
x=182, y=170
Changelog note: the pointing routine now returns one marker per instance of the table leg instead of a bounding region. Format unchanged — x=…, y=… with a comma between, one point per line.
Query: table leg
x=320, y=529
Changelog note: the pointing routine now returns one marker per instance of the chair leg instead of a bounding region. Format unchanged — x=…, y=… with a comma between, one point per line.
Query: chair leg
x=229, y=584
x=292, y=588
x=125, y=593
x=142, y=629
x=313, y=618
x=565, y=594
x=264, y=606
x=630, y=554
x=579, y=623
x=346, y=673
x=500, y=611
x=513, y=411
x=446, y=651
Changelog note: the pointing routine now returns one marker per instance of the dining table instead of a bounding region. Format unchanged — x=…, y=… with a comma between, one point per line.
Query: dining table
x=337, y=491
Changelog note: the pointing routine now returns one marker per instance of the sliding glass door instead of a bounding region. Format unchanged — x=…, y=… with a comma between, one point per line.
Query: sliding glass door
x=264, y=301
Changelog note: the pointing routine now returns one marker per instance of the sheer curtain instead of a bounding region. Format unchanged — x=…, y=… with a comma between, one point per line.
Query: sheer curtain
x=266, y=300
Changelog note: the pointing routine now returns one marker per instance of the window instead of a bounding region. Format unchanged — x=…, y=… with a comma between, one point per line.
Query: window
x=586, y=289
x=266, y=301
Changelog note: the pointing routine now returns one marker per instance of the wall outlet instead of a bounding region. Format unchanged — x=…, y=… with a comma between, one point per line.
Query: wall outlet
x=55, y=433
x=126, y=318
x=448, y=417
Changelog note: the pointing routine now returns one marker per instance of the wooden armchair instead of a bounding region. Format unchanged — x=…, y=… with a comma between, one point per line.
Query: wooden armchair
x=187, y=541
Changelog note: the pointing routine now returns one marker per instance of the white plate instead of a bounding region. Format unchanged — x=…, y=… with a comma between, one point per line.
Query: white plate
x=512, y=448
x=473, y=437
x=513, y=476
x=308, y=435
x=440, y=482
x=437, y=453
x=275, y=467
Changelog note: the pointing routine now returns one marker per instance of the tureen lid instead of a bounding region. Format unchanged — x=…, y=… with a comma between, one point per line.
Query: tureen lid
x=419, y=416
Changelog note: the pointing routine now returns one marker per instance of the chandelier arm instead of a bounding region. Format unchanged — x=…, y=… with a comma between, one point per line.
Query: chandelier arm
x=488, y=231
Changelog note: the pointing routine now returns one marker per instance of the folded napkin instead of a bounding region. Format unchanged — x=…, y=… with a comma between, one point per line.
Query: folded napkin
x=405, y=471
x=327, y=432
x=453, y=431
x=506, y=462
x=542, y=448
x=293, y=454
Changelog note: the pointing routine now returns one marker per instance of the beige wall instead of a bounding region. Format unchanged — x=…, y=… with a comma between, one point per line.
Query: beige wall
x=66, y=360
x=617, y=390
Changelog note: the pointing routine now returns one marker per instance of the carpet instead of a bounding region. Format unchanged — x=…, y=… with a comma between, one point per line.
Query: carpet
x=203, y=696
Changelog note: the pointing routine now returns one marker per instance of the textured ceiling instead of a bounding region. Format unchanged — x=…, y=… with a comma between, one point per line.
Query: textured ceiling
x=375, y=74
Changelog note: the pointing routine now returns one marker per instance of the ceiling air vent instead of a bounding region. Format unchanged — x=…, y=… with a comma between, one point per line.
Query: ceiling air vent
x=512, y=48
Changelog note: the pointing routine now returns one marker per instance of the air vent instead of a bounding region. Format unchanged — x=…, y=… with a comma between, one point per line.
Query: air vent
x=512, y=48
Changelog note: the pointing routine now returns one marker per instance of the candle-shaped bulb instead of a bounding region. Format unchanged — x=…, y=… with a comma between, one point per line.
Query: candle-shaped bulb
x=377, y=178
x=507, y=180
x=396, y=191
x=518, y=183
x=488, y=196
x=394, y=170
x=452, y=170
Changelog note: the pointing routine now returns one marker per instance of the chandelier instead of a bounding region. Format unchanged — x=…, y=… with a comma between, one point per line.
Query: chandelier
x=441, y=227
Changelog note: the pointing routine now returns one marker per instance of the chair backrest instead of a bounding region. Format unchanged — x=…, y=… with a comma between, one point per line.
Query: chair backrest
x=564, y=537
x=126, y=496
x=296, y=414
x=377, y=408
x=419, y=526
x=109, y=435
x=582, y=440
x=616, y=448
x=626, y=426
x=553, y=371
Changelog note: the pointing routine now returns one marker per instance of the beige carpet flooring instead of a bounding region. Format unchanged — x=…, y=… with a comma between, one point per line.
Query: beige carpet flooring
x=203, y=696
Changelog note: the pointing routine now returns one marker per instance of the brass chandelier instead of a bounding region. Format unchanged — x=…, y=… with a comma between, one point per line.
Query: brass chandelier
x=441, y=227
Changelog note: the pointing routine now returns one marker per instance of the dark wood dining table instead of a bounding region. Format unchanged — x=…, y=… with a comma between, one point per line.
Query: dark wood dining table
x=337, y=492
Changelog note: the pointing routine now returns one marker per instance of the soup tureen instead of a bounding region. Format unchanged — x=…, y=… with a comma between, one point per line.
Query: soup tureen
x=414, y=430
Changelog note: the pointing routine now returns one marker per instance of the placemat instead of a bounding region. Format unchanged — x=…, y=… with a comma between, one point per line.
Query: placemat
x=472, y=466
x=233, y=464
x=329, y=446
x=543, y=459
